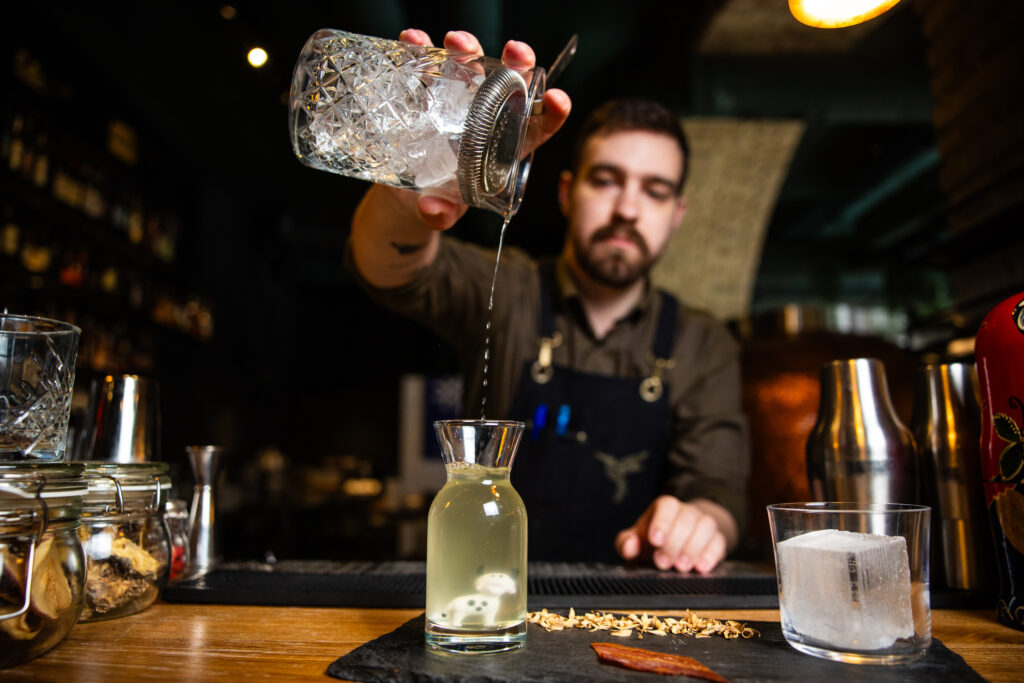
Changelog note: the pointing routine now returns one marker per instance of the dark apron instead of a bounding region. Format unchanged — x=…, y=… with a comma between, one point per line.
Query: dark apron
x=593, y=455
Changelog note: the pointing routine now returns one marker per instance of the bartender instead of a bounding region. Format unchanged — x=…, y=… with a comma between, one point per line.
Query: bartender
x=635, y=448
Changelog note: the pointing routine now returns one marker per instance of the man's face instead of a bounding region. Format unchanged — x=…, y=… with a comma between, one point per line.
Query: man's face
x=623, y=206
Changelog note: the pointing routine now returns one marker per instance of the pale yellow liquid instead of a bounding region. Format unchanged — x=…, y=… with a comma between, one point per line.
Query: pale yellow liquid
x=490, y=316
x=476, y=526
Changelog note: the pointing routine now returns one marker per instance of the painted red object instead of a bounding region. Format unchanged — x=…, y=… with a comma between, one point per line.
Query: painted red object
x=177, y=561
x=999, y=355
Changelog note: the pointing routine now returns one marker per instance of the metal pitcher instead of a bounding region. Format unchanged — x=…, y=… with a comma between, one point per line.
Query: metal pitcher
x=124, y=420
x=858, y=450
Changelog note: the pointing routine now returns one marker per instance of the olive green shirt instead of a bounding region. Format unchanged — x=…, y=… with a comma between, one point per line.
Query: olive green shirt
x=708, y=456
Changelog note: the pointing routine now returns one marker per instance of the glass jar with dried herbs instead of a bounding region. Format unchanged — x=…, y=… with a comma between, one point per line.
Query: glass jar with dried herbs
x=126, y=543
x=42, y=567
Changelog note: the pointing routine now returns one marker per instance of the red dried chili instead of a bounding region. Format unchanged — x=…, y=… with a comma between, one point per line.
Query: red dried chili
x=656, y=662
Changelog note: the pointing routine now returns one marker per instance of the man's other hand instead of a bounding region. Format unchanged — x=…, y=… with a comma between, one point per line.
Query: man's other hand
x=675, y=534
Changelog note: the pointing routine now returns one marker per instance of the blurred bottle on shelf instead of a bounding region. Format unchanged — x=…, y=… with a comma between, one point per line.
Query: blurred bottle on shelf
x=40, y=172
x=10, y=232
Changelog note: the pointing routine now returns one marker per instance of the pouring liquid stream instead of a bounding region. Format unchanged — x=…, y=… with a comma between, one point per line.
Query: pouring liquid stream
x=490, y=320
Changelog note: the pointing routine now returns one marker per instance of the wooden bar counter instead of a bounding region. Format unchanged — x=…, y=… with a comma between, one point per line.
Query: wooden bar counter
x=187, y=642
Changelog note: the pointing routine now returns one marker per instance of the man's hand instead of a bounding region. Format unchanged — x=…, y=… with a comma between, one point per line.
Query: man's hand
x=694, y=535
x=395, y=232
x=441, y=214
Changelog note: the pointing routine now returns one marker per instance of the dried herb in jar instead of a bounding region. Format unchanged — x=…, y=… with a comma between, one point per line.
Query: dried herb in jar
x=128, y=573
x=49, y=595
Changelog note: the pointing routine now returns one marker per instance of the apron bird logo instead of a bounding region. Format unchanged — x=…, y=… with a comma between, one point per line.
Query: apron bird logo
x=618, y=469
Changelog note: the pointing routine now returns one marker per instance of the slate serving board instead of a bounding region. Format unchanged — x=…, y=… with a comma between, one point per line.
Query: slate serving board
x=401, y=656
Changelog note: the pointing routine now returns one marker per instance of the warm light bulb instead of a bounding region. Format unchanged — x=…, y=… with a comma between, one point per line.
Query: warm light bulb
x=837, y=13
x=257, y=57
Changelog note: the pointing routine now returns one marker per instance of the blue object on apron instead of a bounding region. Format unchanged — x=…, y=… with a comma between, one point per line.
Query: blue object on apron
x=593, y=457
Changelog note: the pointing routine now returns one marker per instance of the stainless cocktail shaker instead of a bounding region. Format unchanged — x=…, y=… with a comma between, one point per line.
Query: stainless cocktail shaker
x=858, y=450
x=947, y=428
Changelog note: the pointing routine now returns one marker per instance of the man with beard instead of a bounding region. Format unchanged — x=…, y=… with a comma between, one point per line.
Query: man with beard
x=636, y=447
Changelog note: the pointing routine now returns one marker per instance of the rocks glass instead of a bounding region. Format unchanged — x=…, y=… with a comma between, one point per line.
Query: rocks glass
x=37, y=375
x=853, y=579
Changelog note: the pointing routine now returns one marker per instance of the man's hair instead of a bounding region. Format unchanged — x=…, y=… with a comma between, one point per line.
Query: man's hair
x=627, y=115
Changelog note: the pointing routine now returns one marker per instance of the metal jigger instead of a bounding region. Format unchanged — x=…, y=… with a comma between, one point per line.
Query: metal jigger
x=204, y=550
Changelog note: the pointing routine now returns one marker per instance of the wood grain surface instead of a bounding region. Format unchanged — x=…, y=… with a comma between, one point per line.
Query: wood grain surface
x=182, y=642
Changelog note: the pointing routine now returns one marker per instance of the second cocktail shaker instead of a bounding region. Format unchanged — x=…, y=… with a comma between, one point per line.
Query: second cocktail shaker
x=858, y=450
x=947, y=429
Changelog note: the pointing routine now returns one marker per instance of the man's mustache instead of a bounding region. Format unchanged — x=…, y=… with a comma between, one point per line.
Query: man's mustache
x=620, y=229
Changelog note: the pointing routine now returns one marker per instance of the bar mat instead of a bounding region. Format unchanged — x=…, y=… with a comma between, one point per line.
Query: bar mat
x=734, y=585
x=402, y=657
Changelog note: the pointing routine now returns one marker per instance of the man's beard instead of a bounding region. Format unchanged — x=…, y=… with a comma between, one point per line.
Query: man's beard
x=614, y=269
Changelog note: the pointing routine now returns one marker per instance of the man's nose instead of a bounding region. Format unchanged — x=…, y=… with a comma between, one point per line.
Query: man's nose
x=627, y=204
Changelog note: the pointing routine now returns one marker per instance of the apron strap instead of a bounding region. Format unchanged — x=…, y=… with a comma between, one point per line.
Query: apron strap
x=542, y=370
x=666, y=332
x=660, y=357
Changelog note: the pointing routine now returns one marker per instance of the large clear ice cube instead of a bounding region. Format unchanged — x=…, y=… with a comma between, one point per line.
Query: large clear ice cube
x=845, y=589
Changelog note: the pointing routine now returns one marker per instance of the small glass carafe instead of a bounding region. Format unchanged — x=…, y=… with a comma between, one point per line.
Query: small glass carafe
x=476, y=542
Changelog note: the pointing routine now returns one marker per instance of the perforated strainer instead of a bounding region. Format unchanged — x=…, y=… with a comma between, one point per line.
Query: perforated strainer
x=492, y=167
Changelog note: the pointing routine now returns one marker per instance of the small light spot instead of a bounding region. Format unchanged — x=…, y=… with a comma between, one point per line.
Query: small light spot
x=257, y=57
x=227, y=12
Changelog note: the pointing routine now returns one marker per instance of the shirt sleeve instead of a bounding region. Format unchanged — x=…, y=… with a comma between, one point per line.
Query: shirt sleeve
x=709, y=451
x=451, y=296
x=447, y=297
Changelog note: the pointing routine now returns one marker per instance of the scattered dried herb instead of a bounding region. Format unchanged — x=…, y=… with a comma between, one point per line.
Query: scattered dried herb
x=690, y=624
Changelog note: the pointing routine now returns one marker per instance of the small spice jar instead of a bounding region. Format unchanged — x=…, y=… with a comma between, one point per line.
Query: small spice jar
x=127, y=547
x=42, y=567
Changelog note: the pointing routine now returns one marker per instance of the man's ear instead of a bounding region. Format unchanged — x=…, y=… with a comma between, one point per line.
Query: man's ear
x=564, y=188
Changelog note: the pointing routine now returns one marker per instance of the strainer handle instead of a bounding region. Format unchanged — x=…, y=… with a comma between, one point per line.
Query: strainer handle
x=556, y=69
x=563, y=59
